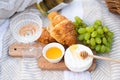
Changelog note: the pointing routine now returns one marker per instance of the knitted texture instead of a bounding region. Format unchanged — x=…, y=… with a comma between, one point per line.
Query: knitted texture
x=96, y=9
x=27, y=69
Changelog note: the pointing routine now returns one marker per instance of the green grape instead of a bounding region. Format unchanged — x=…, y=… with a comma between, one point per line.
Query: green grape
x=109, y=40
x=76, y=24
x=92, y=47
x=81, y=37
x=92, y=41
x=100, y=31
x=97, y=36
x=107, y=49
x=97, y=48
x=87, y=36
x=94, y=34
x=79, y=26
x=105, y=29
x=103, y=48
x=84, y=25
x=98, y=22
x=104, y=40
x=110, y=34
x=78, y=20
x=84, y=42
x=88, y=41
x=108, y=45
x=100, y=26
x=98, y=40
x=81, y=30
x=100, y=35
x=96, y=26
x=90, y=29
x=76, y=29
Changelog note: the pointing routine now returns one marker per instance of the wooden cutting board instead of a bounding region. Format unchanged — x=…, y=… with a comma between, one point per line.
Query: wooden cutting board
x=45, y=65
x=15, y=50
x=18, y=49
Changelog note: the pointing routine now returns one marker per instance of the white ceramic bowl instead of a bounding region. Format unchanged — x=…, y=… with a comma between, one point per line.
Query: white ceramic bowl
x=31, y=37
x=58, y=45
x=74, y=62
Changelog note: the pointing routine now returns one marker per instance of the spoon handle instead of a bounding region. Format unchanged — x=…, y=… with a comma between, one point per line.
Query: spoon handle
x=105, y=58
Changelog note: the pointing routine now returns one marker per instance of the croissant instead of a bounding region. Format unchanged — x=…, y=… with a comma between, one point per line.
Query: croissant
x=62, y=29
x=45, y=37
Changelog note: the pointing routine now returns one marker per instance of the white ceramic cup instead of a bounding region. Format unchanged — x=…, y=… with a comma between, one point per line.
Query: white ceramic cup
x=58, y=45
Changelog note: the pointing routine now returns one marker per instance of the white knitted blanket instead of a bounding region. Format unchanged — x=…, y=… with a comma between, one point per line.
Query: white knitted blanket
x=17, y=69
x=96, y=9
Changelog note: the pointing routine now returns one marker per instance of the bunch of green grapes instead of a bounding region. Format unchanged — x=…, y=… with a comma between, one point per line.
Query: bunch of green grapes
x=97, y=36
x=79, y=23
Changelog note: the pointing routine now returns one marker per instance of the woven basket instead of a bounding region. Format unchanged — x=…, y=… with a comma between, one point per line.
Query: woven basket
x=113, y=5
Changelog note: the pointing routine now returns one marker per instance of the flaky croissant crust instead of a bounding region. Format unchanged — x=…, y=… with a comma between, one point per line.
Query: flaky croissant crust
x=62, y=29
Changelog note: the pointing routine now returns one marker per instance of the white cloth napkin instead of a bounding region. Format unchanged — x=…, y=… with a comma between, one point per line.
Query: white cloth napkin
x=75, y=8
x=3, y=29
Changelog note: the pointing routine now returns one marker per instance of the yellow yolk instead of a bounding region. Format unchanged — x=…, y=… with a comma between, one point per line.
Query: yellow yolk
x=53, y=53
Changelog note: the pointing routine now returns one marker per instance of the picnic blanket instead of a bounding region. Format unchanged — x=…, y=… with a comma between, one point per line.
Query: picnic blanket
x=27, y=69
